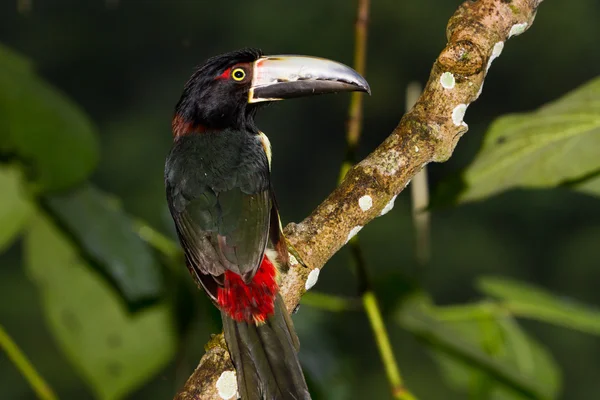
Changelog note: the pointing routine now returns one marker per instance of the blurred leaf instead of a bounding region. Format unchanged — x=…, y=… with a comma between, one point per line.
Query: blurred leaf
x=15, y=206
x=105, y=232
x=518, y=350
x=42, y=127
x=530, y=356
x=463, y=352
x=115, y=351
x=589, y=186
x=529, y=301
x=544, y=148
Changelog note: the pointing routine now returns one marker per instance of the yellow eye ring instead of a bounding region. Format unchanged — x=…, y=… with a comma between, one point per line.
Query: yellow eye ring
x=238, y=74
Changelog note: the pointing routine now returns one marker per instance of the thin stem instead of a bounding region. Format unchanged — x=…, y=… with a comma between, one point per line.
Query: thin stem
x=419, y=191
x=355, y=112
x=35, y=380
x=354, y=130
x=385, y=348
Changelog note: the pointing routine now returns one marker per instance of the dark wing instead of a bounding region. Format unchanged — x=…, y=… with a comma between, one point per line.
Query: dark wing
x=276, y=235
x=221, y=212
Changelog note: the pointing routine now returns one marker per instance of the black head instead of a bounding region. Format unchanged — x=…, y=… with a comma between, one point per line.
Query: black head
x=223, y=93
x=216, y=96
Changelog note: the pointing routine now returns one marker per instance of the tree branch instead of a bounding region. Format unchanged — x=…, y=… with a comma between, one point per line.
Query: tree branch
x=428, y=132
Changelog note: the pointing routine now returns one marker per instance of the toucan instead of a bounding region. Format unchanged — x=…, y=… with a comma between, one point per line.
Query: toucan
x=219, y=193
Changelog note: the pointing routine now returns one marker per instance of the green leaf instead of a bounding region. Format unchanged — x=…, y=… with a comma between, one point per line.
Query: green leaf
x=529, y=301
x=516, y=350
x=479, y=355
x=589, y=186
x=556, y=144
x=105, y=232
x=114, y=351
x=15, y=205
x=42, y=127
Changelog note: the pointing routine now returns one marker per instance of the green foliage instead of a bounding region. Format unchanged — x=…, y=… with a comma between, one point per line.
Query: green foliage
x=532, y=302
x=46, y=135
x=114, y=350
x=483, y=353
x=47, y=132
x=590, y=185
x=15, y=205
x=481, y=348
x=106, y=234
x=88, y=264
x=551, y=146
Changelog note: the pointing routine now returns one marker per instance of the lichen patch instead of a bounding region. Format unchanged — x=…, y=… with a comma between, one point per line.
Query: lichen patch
x=517, y=29
x=496, y=51
x=365, y=202
x=479, y=91
x=447, y=80
x=388, y=206
x=353, y=232
x=227, y=385
x=458, y=114
x=312, y=278
x=292, y=260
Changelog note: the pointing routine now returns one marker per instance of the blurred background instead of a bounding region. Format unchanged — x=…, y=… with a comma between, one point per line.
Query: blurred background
x=124, y=63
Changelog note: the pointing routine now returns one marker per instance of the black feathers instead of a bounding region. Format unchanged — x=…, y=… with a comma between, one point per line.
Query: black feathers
x=265, y=357
x=219, y=193
x=215, y=103
x=219, y=196
x=214, y=66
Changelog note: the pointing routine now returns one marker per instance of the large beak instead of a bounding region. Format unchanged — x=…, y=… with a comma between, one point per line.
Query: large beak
x=285, y=77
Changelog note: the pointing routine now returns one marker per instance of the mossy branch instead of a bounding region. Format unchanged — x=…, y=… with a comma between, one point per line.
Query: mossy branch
x=428, y=133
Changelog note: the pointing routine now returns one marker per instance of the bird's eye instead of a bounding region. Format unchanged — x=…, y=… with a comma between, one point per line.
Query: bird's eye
x=238, y=74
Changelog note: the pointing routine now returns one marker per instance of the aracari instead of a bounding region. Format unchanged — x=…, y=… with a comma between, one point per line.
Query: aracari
x=219, y=192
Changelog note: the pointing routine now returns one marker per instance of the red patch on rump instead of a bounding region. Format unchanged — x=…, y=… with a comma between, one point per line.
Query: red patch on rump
x=253, y=302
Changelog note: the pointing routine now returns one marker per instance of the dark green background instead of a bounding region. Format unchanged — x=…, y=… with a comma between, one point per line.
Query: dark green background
x=126, y=65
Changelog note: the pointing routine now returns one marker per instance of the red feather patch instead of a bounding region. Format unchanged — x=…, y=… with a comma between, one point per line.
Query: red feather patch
x=253, y=302
x=181, y=127
x=225, y=74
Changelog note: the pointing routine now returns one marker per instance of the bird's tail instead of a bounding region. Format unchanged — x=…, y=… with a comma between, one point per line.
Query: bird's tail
x=265, y=357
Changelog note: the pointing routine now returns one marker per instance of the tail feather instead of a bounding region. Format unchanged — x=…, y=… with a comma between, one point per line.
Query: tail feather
x=265, y=357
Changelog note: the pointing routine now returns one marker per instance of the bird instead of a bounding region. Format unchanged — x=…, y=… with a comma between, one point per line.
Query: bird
x=221, y=199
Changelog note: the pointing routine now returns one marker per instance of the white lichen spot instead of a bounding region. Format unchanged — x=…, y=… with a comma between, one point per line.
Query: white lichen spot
x=447, y=80
x=496, y=51
x=227, y=385
x=517, y=29
x=479, y=91
x=292, y=260
x=365, y=203
x=388, y=206
x=312, y=278
x=458, y=114
x=353, y=232
x=416, y=149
